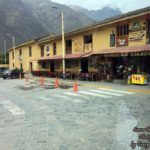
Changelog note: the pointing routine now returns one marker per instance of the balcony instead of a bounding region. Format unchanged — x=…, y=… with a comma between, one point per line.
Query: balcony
x=68, y=50
x=88, y=47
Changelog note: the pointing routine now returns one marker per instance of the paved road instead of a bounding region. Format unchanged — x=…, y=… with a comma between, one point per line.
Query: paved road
x=34, y=117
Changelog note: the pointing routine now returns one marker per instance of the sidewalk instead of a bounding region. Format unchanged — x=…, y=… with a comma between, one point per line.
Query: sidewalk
x=116, y=84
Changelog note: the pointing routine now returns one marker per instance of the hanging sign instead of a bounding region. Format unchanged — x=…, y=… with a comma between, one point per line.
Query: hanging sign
x=122, y=41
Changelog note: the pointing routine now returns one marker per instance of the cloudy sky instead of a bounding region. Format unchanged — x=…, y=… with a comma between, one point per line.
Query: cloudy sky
x=124, y=5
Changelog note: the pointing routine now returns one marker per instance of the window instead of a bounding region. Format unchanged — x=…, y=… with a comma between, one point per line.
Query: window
x=20, y=52
x=30, y=51
x=42, y=51
x=43, y=65
x=57, y=65
x=76, y=63
x=87, y=39
x=112, y=40
x=68, y=46
x=13, y=54
x=123, y=30
x=54, y=48
x=68, y=64
x=47, y=50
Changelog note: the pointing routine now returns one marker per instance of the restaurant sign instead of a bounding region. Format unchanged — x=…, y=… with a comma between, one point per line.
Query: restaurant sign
x=122, y=41
x=78, y=45
x=137, y=32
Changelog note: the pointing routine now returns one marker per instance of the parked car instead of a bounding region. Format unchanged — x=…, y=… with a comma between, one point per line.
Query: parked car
x=12, y=73
x=2, y=69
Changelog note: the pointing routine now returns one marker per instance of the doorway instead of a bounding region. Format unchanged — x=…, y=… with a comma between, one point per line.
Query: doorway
x=84, y=65
x=52, y=67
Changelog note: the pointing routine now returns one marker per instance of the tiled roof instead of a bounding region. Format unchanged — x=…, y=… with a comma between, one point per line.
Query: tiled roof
x=103, y=22
x=123, y=50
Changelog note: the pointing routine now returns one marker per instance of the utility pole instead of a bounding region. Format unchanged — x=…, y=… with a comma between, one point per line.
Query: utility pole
x=14, y=49
x=63, y=44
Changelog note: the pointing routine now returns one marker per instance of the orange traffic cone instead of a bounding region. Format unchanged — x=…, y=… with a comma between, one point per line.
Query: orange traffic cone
x=41, y=80
x=26, y=78
x=75, y=87
x=20, y=76
x=56, y=83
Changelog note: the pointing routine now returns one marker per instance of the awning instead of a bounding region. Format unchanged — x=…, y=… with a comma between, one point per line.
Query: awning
x=47, y=58
x=68, y=56
x=71, y=56
x=123, y=50
x=87, y=55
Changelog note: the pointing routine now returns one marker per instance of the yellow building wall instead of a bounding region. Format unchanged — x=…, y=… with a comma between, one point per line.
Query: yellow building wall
x=101, y=41
x=101, y=37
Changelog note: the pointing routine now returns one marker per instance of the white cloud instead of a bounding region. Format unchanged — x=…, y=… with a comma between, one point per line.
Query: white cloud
x=124, y=5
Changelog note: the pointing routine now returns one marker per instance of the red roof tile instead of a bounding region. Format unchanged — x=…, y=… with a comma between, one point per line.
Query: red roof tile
x=47, y=58
x=70, y=56
x=123, y=50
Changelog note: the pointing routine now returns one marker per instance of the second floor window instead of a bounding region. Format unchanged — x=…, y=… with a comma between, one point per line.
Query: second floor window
x=123, y=30
x=54, y=48
x=30, y=51
x=87, y=39
x=47, y=50
x=42, y=51
x=13, y=54
x=20, y=52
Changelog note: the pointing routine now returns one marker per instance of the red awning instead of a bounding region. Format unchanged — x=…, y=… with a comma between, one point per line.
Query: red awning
x=47, y=58
x=123, y=50
x=68, y=56
x=87, y=55
x=71, y=56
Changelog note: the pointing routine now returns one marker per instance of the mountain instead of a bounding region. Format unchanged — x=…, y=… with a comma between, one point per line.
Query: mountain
x=97, y=15
x=30, y=19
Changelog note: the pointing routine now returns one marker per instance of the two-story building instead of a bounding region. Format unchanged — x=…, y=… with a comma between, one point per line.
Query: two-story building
x=100, y=48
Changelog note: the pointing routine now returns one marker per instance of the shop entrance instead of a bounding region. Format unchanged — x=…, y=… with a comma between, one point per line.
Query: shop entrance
x=52, y=67
x=84, y=65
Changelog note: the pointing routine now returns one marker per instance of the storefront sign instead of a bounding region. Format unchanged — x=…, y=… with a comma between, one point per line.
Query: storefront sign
x=122, y=41
x=137, y=32
x=88, y=47
x=78, y=44
x=139, y=79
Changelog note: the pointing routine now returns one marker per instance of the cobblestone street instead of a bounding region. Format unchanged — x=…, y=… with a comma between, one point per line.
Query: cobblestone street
x=33, y=117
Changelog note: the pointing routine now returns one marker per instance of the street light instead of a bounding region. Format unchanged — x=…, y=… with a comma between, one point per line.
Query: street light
x=63, y=41
x=13, y=39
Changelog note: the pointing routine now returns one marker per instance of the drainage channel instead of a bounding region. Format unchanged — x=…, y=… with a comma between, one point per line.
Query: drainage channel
x=26, y=88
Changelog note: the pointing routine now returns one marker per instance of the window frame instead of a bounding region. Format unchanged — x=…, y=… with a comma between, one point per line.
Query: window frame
x=30, y=51
x=122, y=30
x=88, y=39
x=54, y=49
x=42, y=50
x=43, y=65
